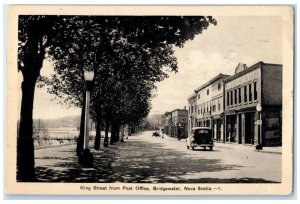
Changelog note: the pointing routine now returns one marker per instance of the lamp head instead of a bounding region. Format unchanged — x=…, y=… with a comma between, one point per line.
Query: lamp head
x=258, y=107
x=88, y=75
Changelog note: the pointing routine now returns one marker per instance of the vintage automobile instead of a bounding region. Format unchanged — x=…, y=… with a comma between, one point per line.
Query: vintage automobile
x=200, y=137
x=155, y=133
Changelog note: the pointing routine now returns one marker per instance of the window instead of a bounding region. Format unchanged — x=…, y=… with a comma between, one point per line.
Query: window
x=255, y=90
x=250, y=92
x=198, y=96
x=245, y=93
x=213, y=107
x=219, y=106
x=231, y=97
x=240, y=95
x=228, y=98
x=207, y=91
x=219, y=86
x=235, y=96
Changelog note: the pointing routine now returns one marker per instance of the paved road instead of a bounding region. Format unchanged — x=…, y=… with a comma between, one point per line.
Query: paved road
x=147, y=159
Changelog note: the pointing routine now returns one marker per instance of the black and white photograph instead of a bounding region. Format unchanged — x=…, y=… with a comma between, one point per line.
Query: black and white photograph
x=150, y=100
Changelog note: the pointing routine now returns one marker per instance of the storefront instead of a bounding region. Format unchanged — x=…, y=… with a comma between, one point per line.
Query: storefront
x=217, y=128
x=253, y=105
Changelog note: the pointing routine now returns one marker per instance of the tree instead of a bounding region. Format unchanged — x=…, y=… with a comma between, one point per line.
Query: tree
x=40, y=132
x=145, y=46
x=34, y=32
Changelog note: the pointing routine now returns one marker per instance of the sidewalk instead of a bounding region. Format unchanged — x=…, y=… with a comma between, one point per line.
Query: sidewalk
x=273, y=150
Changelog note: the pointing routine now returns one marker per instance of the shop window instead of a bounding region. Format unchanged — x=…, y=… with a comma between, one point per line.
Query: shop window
x=255, y=90
x=245, y=94
x=250, y=92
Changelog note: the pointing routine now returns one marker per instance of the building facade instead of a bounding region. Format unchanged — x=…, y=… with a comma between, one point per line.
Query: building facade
x=253, y=104
x=192, y=112
x=176, y=123
x=209, y=106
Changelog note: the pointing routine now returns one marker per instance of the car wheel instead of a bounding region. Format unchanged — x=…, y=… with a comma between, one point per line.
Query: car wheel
x=193, y=147
x=204, y=148
x=188, y=147
x=210, y=148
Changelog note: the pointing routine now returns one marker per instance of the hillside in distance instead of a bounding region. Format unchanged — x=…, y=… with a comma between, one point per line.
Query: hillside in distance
x=68, y=121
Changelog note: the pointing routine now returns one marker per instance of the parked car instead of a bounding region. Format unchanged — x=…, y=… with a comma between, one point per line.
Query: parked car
x=155, y=133
x=200, y=137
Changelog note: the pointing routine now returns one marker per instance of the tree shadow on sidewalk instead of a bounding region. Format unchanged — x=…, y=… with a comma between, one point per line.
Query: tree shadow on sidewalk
x=136, y=162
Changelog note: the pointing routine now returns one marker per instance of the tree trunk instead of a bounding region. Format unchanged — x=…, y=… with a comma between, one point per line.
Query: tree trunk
x=123, y=133
x=34, y=54
x=113, y=133
x=25, y=143
x=118, y=133
x=98, y=130
x=106, y=132
x=79, y=147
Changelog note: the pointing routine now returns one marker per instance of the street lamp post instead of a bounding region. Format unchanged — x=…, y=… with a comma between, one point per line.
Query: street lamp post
x=183, y=122
x=259, y=123
x=86, y=158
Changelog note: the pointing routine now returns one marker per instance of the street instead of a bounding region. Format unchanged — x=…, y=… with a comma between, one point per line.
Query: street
x=147, y=159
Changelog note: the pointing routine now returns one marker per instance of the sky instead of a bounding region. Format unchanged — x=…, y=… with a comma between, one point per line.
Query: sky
x=218, y=49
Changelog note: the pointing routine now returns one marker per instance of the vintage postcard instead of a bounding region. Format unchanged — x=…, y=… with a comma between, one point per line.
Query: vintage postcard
x=149, y=100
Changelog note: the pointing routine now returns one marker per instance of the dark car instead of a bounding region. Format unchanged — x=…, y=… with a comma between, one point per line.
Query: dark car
x=200, y=137
x=155, y=133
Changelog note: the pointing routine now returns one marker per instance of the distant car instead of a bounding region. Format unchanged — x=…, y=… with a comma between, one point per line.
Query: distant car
x=155, y=133
x=200, y=137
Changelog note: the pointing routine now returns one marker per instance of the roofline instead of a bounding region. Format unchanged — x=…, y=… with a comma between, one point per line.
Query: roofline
x=249, y=69
x=192, y=96
x=219, y=76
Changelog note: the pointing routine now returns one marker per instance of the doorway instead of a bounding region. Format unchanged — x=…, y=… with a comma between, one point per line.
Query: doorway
x=249, y=128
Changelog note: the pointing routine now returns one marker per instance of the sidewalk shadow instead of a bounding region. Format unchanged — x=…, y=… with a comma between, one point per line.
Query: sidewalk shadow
x=135, y=162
